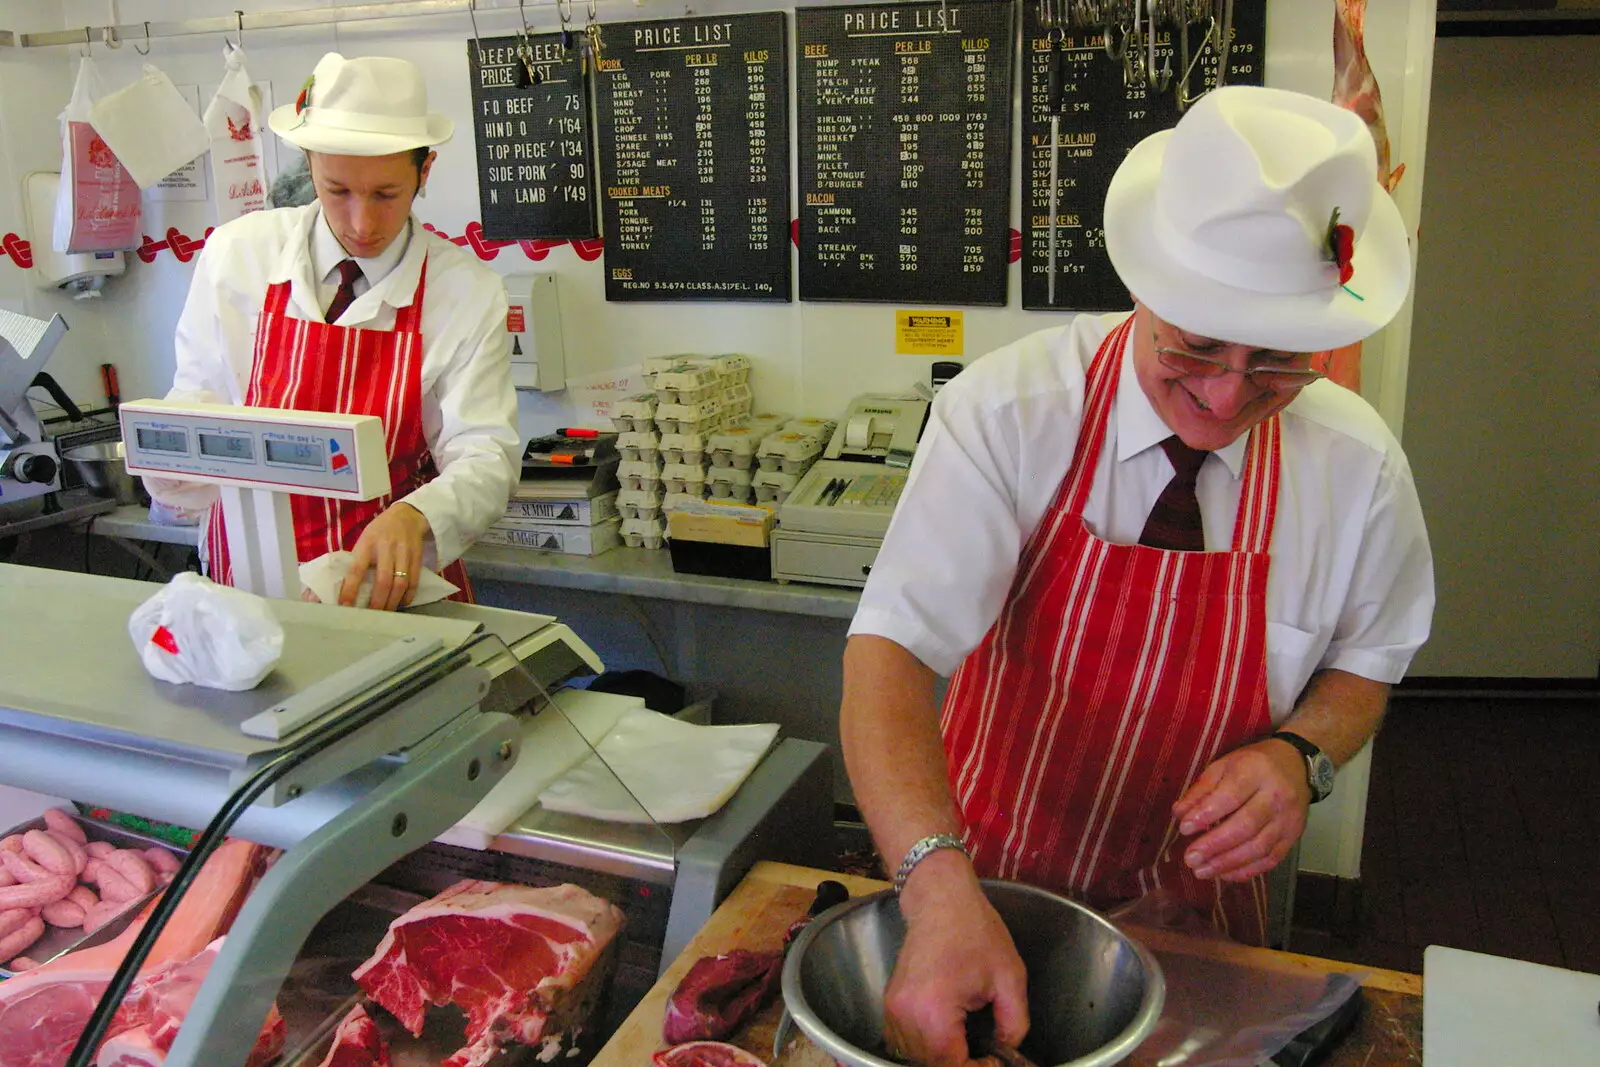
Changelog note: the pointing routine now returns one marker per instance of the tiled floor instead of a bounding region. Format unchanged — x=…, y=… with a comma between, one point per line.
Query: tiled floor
x=1483, y=833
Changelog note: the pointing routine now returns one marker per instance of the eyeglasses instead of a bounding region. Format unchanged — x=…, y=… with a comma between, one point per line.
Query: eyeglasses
x=1278, y=379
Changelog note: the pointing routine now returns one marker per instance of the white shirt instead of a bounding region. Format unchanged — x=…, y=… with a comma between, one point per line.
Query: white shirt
x=1351, y=580
x=327, y=253
x=468, y=405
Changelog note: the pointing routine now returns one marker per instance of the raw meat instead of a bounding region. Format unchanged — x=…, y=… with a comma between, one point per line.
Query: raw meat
x=357, y=1043
x=1355, y=87
x=510, y=956
x=139, y=1048
x=43, y=1010
x=705, y=1054
x=719, y=994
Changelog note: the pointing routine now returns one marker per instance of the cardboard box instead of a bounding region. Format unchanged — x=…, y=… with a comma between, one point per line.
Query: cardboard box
x=571, y=540
x=523, y=513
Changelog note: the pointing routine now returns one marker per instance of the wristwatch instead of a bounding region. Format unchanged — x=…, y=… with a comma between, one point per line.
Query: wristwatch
x=1319, y=768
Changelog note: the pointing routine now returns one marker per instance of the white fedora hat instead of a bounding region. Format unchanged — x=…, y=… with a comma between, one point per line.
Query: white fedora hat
x=372, y=106
x=1223, y=225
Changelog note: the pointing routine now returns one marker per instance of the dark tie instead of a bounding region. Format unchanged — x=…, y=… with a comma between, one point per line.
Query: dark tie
x=349, y=271
x=1174, y=522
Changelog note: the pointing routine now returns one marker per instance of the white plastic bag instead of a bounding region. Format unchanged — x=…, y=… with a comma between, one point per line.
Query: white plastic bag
x=97, y=202
x=233, y=122
x=199, y=632
x=150, y=126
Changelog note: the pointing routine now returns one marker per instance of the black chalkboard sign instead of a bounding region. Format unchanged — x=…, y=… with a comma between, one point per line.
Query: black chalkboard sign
x=535, y=164
x=1101, y=117
x=693, y=119
x=905, y=151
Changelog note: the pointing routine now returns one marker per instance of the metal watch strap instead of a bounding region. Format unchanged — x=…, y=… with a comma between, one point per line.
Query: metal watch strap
x=920, y=851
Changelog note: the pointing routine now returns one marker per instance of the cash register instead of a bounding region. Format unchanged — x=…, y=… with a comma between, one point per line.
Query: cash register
x=832, y=524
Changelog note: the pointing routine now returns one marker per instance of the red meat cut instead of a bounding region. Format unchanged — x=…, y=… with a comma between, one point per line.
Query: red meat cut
x=705, y=1054
x=719, y=993
x=357, y=1043
x=510, y=956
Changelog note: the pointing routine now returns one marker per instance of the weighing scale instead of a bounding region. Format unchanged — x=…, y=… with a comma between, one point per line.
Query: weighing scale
x=375, y=734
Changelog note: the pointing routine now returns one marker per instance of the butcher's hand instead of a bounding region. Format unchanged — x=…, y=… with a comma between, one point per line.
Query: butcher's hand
x=957, y=957
x=1249, y=808
x=391, y=547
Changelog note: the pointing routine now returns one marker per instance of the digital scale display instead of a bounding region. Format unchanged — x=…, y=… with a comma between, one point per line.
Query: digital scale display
x=225, y=447
x=295, y=453
x=175, y=441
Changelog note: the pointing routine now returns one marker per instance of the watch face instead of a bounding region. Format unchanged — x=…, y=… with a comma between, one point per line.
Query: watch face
x=1321, y=777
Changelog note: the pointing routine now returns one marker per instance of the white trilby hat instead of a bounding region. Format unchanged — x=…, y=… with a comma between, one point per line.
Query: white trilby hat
x=1221, y=225
x=372, y=106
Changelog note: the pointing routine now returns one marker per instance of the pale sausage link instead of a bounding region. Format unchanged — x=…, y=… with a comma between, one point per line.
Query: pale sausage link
x=61, y=822
x=14, y=943
x=49, y=853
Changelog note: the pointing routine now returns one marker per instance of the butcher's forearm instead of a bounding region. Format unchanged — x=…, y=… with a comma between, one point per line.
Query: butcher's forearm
x=1339, y=712
x=889, y=727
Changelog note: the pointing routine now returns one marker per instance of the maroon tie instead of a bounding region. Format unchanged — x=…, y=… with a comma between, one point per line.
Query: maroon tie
x=1174, y=522
x=349, y=271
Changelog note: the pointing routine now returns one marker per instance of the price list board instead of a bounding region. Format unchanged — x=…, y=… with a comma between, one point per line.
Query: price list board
x=905, y=151
x=693, y=120
x=530, y=125
x=1105, y=109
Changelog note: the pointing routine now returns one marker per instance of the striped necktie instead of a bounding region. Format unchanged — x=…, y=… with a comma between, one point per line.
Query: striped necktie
x=349, y=271
x=1174, y=521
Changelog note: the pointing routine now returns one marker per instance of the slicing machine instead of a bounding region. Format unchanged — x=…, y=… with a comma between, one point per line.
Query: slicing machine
x=406, y=721
x=29, y=465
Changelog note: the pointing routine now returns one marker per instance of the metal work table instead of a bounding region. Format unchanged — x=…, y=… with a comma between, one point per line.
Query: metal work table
x=74, y=505
x=631, y=571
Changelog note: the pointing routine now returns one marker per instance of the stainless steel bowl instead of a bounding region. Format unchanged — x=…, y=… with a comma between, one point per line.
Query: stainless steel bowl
x=102, y=469
x=1093, y=993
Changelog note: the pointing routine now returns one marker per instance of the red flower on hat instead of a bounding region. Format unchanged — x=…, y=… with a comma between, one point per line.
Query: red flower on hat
x=303, y=101
x=1341, y=247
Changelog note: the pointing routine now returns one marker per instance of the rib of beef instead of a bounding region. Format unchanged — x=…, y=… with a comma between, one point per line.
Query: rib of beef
x=357, y=1043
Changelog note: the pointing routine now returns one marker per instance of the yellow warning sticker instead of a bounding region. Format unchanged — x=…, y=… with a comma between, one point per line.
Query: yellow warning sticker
x=928, y=333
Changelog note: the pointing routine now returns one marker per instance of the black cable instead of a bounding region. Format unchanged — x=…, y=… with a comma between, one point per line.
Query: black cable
x=319, y=739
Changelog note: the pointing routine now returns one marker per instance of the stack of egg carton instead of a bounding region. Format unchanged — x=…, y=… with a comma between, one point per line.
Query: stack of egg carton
x=731, y=476
x=663, y=443
x=785, y=456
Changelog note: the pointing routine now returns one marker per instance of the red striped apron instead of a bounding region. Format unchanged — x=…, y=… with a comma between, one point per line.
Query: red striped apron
x=303, y=365
x=1113, y=676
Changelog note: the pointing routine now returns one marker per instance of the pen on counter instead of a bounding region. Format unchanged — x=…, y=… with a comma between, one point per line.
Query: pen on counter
x=577, y=431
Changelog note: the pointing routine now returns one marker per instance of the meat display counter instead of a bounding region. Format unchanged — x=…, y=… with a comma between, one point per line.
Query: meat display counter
x=394, y=726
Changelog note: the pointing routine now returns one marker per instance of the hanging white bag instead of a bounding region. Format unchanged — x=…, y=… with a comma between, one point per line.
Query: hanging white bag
x=150, y=126
x=233, y=123
x=97, y=201
x=202, y=633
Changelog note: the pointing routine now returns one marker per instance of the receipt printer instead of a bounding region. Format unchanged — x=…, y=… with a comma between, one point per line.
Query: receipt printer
x=879, y=429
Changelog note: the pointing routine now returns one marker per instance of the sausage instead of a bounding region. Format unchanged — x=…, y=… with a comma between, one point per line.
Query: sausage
x=11, y=844
x=80, y=857
x=15, y=942
x=83, y=896
x=100, y=914
x=21, y=869
x=6, y=877
x=113, y=887
x=134, y=867
x=163, y=861
x=62, y=823
x=49, y=853
x=64, y=913
x=14, y=919
x=99, y=849
x=91, y=871
x=36, y=894
x=22, y=963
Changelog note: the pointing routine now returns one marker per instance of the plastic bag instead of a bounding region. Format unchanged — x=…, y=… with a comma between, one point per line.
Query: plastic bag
x=199, y=632
x=97, y=202
x=233, y=122
x=150, y=126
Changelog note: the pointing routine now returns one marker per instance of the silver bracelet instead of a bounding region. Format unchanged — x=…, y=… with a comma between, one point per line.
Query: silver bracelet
x=920, y=851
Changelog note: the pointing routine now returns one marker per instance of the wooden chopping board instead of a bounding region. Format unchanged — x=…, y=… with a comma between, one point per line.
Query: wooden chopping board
x=758, y=913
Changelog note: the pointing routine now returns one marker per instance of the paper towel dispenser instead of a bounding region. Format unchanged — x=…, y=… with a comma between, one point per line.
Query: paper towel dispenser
x=80, y=274
x=879, y=429
x=533, y=319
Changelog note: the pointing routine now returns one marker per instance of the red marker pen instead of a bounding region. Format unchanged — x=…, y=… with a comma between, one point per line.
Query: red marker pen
x=577, y=431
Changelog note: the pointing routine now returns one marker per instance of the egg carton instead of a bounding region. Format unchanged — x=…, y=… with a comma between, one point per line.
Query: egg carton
x=654, y=365
x=639, y=503
x=684, y=478
x=791, y=452
x=701, y=426
x=731, y=476
x=639, y=446
x=731, y=366
x=687, y=448
x=688, y=377
x=738, y=395
x=639, y=475
x=773, y=487
x=821, y=429
x=644, y=533
x=671, y=501
x=734, y=446
x=765, y=422
x=634, y=415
